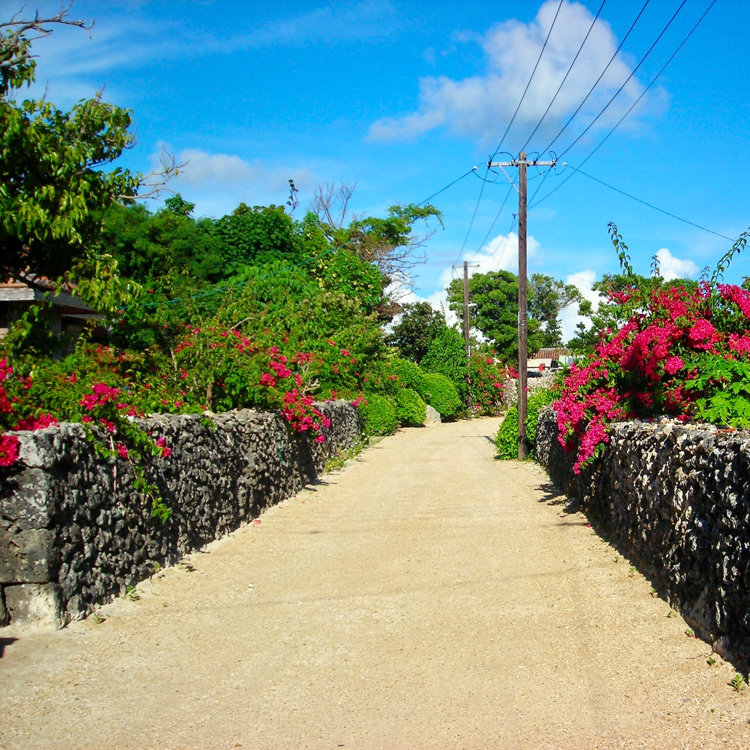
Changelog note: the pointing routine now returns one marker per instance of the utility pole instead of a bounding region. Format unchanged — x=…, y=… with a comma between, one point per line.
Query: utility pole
x=466, y=331
x=522, y=164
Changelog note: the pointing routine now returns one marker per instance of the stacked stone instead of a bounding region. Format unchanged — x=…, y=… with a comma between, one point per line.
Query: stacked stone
x=74, y=531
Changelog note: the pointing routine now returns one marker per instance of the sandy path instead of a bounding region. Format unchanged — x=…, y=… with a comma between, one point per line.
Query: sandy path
x=425, y=596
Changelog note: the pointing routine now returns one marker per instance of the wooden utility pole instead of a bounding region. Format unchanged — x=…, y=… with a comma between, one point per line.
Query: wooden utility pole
x=467, y=327
x=522, y=164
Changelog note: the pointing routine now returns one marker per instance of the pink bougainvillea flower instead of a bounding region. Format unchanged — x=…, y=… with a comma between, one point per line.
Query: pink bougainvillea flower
x=9, y=449
x=673, y=365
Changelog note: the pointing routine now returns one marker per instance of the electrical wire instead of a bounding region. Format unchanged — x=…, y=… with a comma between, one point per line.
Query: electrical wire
x=494, y=221
x=601, y=75
x=632, y=107
x=449, y=185
x=565, y=77
x=531, y=78
x=627, y=80
x=651, y=205
x=473, y=217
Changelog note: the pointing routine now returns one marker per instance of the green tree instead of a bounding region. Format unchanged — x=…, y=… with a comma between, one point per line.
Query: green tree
x=176, y=204
x=53, y=183
x=256, y=236
x=547, y=298
x=164, y=246
x=495, y=315
x=416, y=329
x=389, y=242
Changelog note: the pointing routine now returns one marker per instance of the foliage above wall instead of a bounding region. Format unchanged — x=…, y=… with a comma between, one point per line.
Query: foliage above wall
x=677, y=351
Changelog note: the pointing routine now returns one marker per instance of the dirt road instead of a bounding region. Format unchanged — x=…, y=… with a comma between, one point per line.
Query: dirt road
x=426, y=596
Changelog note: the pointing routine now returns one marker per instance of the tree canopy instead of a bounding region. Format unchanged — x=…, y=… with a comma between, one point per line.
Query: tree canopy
x=53, y=185
x=416, y=329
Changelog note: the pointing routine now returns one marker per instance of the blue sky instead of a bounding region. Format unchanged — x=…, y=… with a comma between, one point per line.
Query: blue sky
x=404, y=97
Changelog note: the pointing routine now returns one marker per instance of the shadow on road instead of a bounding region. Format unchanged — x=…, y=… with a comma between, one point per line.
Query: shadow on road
x=551, y=495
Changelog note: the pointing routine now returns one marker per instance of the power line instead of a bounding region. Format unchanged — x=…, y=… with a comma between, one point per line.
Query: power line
x=531, y=78
x=650, y=205
x=494, y=221
x=565, y=77
x=596, y=83
x=634, y=71
x=449, y=185
x=473, y=217
x=631, y=108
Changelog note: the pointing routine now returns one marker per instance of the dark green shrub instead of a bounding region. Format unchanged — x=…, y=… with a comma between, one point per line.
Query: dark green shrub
x=410, y=408
x=506, y=440
x=442, y=394
x=379, y=415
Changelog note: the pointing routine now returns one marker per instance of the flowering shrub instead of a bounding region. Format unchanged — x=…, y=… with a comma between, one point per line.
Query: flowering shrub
x=104, y=408
x=16, y=413
x=488, y=377
x=683, y=352
x=292, y=388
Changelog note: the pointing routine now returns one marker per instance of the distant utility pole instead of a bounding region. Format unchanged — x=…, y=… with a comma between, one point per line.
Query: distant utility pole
x=522, y=164
x=466, y=329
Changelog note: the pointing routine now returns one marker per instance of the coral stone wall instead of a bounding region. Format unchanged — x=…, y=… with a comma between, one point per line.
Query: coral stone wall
x=74, y=532
x=676, y=500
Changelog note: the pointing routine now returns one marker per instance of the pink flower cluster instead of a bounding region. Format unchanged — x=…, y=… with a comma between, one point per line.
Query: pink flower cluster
x=640, y=370
x=488, y=376
x=297, y=406
x=9, y=444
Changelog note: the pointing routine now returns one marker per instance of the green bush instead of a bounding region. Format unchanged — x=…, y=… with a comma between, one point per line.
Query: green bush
x=447, y=356
x=410, y=375
x=410, y=408
x=442, y=394
x=379, y=415
x=506, y=440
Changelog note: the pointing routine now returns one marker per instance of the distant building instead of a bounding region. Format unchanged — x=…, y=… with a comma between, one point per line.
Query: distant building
x=548, y=360
x=70, y=313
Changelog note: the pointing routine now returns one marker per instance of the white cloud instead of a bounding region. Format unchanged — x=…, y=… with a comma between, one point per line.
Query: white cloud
x=476, y=106
x=500, y=253
x=217, y=183
x=202, y=168
x=675, y=268
x=569, y=318
x=325, y=25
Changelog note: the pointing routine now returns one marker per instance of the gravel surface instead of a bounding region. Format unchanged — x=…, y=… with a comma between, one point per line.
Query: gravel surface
x=426, y=596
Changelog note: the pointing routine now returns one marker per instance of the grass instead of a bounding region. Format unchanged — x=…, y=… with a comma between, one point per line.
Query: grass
x=344, y=455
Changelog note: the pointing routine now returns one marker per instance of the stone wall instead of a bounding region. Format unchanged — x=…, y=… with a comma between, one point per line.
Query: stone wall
x=74, y=532
x=535, y=382
x=675, y=499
